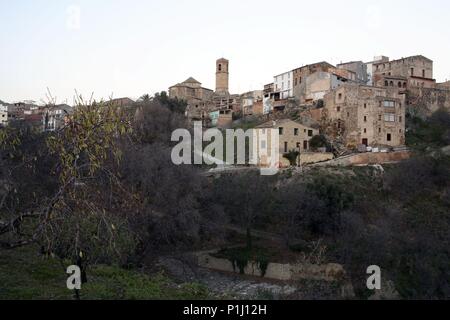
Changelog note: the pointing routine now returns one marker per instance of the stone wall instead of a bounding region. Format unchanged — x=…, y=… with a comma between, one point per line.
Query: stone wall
x=368, y=158
x=276, y=271
x=422, y=67
x=425, y=101
x=358, y=114
x=315, y=157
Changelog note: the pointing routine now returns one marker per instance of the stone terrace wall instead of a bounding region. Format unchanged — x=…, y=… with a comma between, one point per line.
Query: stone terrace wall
x=368, y=159
x=314, y=157
x=276, y=271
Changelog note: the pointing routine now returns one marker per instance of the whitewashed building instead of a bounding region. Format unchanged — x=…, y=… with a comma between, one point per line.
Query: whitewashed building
x=284, y=83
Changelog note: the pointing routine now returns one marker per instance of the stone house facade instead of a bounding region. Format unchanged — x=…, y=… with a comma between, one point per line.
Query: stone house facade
x=366, y=115
x=416, y=71
x=300, y=75
x=291, y=134
x=357, y=67
x=195, y=95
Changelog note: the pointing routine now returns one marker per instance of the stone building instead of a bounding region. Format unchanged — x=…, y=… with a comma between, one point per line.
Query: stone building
x=222, y=76
x=313, y=81
x=202, y=103
x=300, y=74
x=369, y=67
x=222, y=119
x=251, y=102
x=358, y=67
x=414, y=75
x=365, y=115
x=316, y=85
x=293, y=136
x=415, y=71
x=196, y=97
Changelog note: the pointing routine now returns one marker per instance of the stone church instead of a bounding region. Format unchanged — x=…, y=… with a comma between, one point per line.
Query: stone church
x=212, y=107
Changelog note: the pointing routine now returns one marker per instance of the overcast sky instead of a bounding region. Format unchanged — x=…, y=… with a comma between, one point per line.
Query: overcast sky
x=132, y=47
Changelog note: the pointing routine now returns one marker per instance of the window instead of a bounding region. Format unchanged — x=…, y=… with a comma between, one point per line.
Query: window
x=340, y=96
x=263, y=145
x=400, y=119
x=295, y=132
x=298, y=145
x=285, y=147
x=412, y=71
x=379, y=130
x=386, y=83
x=389, y=104
x=281, y=131
x=399, y=84
x=423, y=73
x=365, y=118
x=338, y=109
x=220, y=67
x=389, y=137
x=305, y=145
x=365, y=105
x=391, y=83
x=389, y=117
x=365, y=130
x=310, y=133
x=379, y=117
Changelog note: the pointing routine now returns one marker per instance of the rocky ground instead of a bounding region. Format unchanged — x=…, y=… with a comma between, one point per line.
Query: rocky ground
x=235, y=286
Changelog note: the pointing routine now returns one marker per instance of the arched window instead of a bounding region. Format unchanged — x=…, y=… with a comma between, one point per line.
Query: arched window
x=220, y=67
x=404, y=85
x=386, y=83
x=391, y=83
x=399, y=84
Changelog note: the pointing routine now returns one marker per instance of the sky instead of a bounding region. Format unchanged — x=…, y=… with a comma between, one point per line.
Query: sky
x=126, y=48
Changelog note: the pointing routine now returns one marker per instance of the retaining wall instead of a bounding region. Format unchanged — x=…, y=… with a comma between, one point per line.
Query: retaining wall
x=328, y=272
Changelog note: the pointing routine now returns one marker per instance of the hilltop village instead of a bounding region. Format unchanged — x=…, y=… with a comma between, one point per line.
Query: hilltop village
x=356, y=105
x=322, y=111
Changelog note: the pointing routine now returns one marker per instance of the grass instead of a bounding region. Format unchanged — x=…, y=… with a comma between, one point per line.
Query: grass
x=25, y=275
